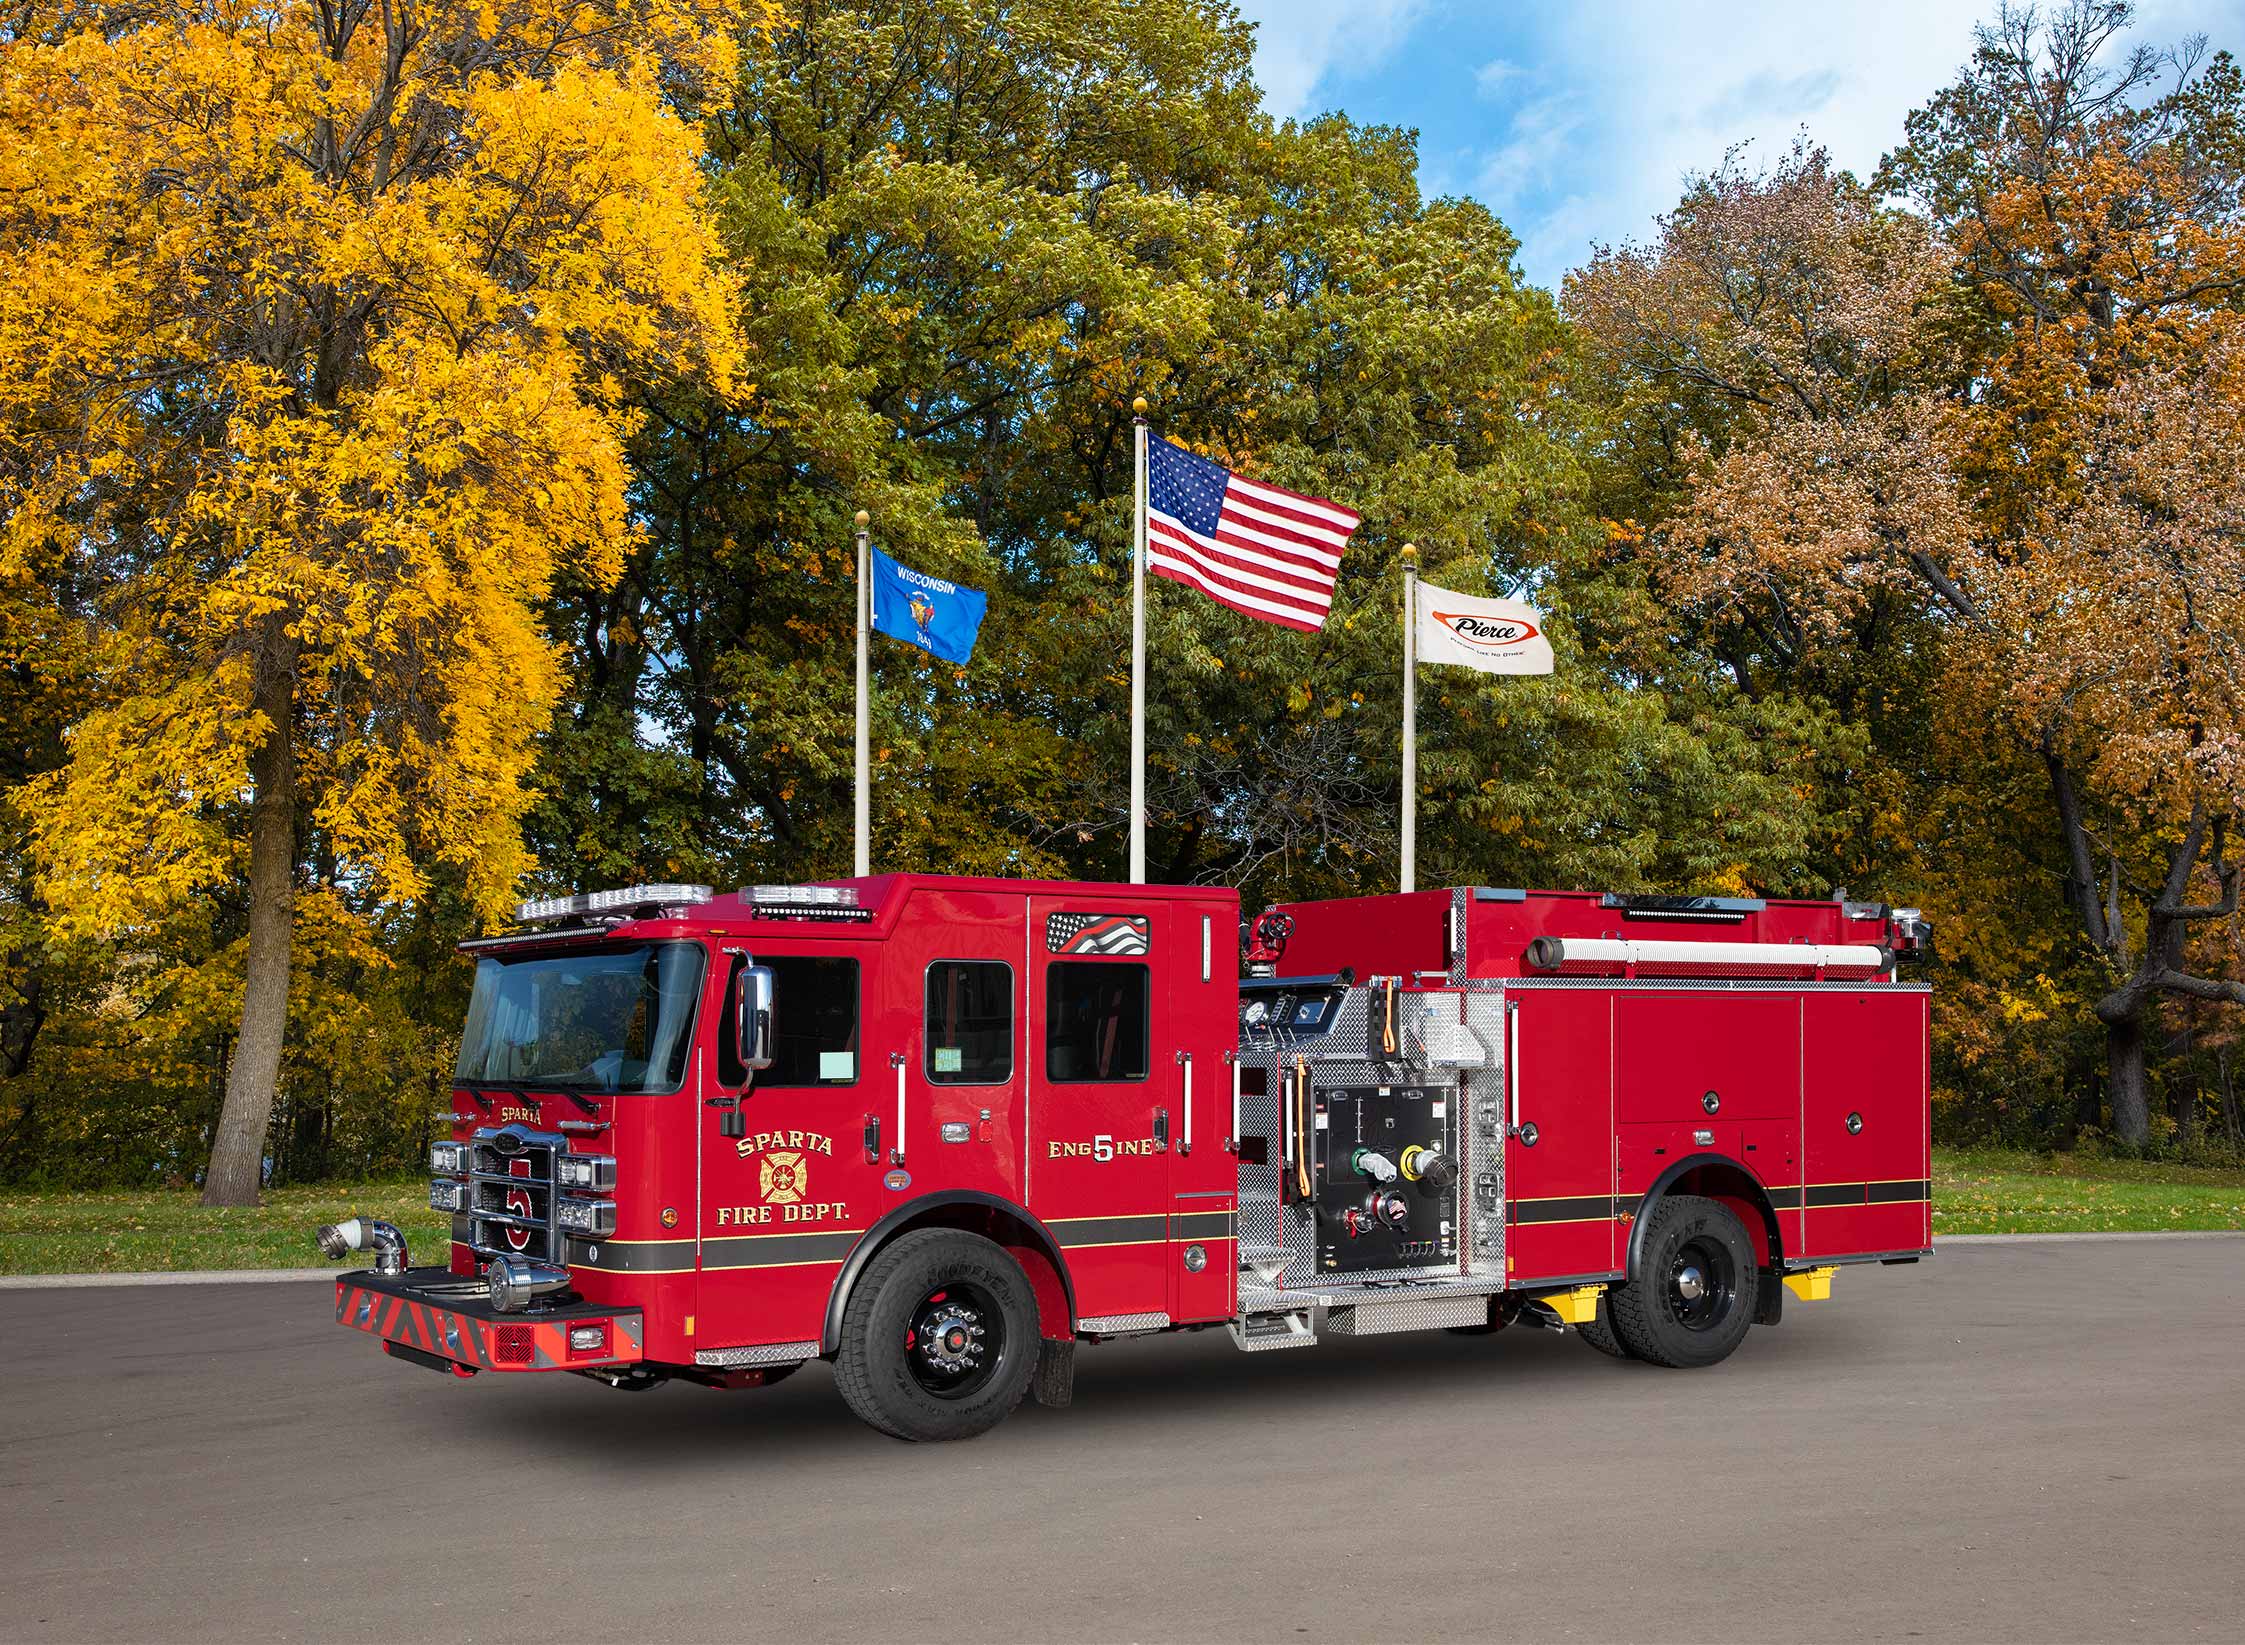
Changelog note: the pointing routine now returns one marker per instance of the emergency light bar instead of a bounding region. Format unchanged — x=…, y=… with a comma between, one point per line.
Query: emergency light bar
x=1583, y=954
x=805, y=902
x=545, y=910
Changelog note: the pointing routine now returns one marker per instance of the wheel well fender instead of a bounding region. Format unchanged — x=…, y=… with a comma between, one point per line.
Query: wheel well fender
x=1716, y=1177
x=1028, y=1241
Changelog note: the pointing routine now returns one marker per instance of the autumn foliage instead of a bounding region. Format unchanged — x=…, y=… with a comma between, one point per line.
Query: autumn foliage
x=428, y=434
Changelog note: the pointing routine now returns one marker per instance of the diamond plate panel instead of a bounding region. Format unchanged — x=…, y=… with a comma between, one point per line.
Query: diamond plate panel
x=770, y=1353
x=1115, y=1325
x=1367, y=1319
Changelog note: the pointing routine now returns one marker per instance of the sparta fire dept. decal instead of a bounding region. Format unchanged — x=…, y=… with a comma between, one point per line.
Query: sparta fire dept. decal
x=783, y=1181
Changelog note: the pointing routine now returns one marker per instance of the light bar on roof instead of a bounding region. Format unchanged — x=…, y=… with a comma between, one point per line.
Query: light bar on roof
x=794, y=896
x=544, y=910
x=805, y=902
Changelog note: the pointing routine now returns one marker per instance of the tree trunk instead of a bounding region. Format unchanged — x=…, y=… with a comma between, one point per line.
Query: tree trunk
x=2124, y=1070
x=238, y=1150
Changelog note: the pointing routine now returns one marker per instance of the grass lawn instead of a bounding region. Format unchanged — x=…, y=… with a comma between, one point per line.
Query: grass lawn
x=1989, y=1191
x=107, y=1233
x=1974, y=1192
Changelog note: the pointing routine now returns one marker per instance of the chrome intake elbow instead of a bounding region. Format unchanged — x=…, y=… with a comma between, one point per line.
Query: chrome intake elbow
x=337, y=1239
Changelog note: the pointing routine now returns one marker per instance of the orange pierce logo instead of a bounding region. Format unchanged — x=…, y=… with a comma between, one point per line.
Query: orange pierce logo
x=1487, y=633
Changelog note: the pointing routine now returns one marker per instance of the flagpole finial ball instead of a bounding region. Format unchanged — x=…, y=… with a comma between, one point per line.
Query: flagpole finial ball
x=1138, y=406
x=1410, y=551
x=863, y=519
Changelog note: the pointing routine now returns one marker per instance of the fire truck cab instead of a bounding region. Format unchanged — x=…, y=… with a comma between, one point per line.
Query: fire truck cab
x=940, y=1130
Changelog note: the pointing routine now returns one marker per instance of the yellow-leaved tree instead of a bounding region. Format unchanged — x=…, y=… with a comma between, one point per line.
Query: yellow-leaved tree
x=316, y=356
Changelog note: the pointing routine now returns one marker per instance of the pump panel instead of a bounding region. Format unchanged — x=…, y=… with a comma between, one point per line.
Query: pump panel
x=1386, y=1171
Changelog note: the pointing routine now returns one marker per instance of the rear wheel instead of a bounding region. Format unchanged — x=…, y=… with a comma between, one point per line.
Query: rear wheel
x=1599, y=1330
x=1694, y=1292
x=939, y=1340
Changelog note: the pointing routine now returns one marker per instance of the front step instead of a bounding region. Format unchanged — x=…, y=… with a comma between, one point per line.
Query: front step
x=1260, y=1333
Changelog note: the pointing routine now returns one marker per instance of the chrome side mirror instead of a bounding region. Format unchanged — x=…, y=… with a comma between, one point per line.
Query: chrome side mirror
x=752, y=1022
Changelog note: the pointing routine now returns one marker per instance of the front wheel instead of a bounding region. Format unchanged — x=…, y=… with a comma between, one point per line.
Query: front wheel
x=1694, y=1292
x=939, y=1340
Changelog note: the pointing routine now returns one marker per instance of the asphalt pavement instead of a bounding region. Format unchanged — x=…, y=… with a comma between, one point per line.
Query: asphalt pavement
x=2021, y=1442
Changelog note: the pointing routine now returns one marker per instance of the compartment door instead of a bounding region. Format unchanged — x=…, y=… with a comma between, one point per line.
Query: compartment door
x=1865, y=1123
x=1559, y=1150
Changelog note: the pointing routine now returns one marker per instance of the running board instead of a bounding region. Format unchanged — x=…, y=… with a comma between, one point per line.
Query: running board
x=1260, y=1333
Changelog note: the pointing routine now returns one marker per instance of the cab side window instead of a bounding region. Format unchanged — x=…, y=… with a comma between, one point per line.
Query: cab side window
x=814, y=1027
x=1095, y=1021
x=969, y=1033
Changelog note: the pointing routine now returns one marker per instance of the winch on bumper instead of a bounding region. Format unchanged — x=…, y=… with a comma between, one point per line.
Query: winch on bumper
x=446, y=1321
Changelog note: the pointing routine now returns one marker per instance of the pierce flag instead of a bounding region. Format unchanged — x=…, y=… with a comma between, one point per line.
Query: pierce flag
x=1475, y=631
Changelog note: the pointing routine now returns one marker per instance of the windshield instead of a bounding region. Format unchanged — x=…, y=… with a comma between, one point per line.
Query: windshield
x=622, y=1020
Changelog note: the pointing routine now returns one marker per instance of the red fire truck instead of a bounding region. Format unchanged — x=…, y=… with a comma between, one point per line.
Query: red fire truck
x=938, y=1130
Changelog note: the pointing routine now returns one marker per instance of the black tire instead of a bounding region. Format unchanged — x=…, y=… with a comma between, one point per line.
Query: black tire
x=939, y=1340
x=1599, y=1332
x=1693, y=1298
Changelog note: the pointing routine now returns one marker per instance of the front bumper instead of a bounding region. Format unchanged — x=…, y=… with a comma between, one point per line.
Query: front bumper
x=436, y=1317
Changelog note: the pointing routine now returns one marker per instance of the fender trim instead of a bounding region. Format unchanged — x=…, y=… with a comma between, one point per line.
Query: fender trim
x=830, y=1334
x=1652, y=1197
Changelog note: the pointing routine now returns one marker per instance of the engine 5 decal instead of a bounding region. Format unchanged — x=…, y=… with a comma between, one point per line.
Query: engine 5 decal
x=1096, y=933
x=1101, y=1148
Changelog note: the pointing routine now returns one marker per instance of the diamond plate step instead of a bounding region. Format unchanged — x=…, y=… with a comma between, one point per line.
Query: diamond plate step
x=1260, y=1333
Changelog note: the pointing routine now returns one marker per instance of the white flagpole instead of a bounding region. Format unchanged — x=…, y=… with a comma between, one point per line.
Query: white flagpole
x=863, y=858
x=1138, y=653
x=1410, y=876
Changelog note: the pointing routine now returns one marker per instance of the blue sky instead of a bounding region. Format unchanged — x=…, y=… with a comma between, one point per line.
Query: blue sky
x=1575, y=122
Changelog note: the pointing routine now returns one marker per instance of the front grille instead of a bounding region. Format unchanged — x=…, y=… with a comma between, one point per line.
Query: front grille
x=514, y=1345
x=511, y=1193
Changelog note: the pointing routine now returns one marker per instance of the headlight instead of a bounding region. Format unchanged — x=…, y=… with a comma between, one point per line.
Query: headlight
x=594, y=1218
x=447, y=1195
x=448, y=1159
x=595, y=1173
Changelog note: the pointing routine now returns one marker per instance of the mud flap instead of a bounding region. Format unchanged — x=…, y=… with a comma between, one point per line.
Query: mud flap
x=1055, y=1381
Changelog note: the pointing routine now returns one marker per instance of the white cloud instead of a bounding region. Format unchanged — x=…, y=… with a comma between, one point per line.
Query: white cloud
x=1491, y=77
x=1301, y=42
x=1668, y=87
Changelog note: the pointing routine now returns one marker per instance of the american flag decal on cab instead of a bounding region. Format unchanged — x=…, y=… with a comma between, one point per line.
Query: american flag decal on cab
x=1096, y=933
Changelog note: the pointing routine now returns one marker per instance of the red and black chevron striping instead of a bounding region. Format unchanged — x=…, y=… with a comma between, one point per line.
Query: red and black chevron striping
x=481, y=1344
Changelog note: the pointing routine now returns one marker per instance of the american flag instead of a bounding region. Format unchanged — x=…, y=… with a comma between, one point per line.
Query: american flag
x=1272, y=554
x=1096, y=933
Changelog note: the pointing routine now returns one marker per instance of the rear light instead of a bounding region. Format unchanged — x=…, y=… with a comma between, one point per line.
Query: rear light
x=447, y=1195
x=588, y=1340
x=595, y=1173
x=448, y=1159
x=593, y=1218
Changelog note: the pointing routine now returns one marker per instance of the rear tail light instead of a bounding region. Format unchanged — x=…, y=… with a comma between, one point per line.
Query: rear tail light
x=589, y=1341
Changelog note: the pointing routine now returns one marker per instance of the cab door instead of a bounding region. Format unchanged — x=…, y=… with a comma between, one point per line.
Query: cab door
x=788, y=1167
x=1105, y=1112
x=949, y=1045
